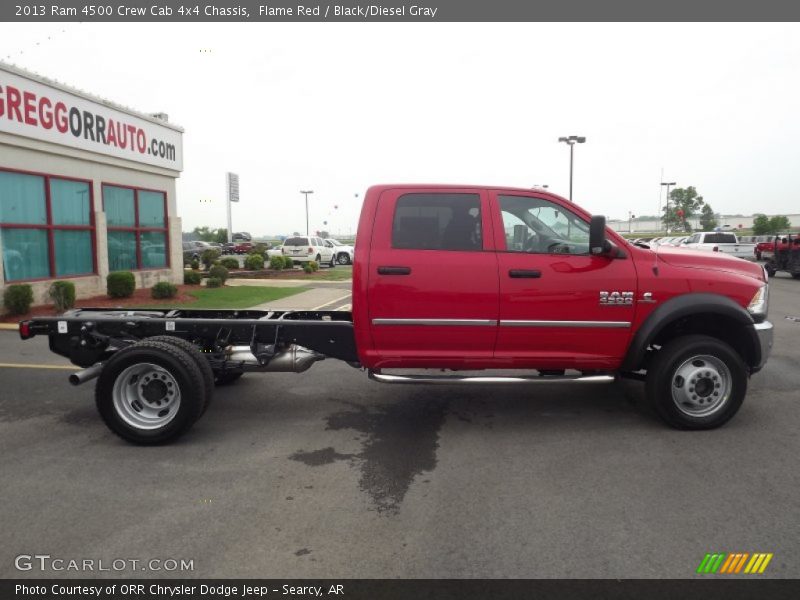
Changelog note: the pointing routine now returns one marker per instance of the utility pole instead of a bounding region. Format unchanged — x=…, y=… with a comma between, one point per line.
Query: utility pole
x=571, y=141
x=306, y=193
x=668, y=184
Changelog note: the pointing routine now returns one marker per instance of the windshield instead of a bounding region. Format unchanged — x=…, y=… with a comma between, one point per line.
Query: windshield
x=335, y=242
x=296, y=241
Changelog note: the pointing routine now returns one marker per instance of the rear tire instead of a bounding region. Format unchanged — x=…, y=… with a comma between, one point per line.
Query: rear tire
x=696, y=382
x=770, y=270
x=795, y=275
x=202, y=363
x=150, y=393
x=332, y=264
x=344, y=258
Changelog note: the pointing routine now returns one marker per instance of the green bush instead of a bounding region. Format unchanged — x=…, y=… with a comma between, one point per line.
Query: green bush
x=164, y=289
x=195, y=264
x=219, y=272
x=18, y=298
x=254, y=262
x=214, y=282
x=230, y=263
x=276, y=262
x=62, y=293
x=192, y=277
x=288, y=262
x=120, y=284
x=209, y=257
x=308, y=268
x=313, y=264
x=260, y=249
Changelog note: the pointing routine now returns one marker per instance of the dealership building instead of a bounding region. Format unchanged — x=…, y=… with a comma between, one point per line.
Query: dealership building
x=87, y=187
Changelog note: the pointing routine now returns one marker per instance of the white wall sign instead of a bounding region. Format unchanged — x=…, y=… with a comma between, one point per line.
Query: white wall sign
x=233, y=187
x=35, y=110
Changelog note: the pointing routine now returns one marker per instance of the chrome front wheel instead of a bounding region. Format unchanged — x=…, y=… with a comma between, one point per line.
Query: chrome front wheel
x=701, y=385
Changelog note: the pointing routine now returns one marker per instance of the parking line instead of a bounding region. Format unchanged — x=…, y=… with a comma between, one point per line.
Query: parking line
x=29, y=366
x=331, y=302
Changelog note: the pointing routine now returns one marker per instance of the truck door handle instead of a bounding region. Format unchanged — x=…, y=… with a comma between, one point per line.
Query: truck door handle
x=524, y=274
x=394, y=270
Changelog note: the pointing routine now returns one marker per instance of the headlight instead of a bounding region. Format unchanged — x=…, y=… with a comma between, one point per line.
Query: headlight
x=760, y=303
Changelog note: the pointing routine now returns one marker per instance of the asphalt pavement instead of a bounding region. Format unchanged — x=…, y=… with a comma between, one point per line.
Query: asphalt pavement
x=327, y=474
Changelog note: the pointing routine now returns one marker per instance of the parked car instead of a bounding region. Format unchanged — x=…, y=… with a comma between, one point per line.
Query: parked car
x=765, y=245
x=308, y=248
x=344, y=253
x=786, y=256
x=242, y=247
x=557, y=295
x=229, y=248
x=193, y=250
x=721, y=241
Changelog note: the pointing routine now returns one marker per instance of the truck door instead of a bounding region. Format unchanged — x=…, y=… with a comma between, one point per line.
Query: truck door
x=433, y=290
x=559, y=306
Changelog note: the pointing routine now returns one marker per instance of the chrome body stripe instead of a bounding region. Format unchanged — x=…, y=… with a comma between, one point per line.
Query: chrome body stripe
x=592, y=324
x=438, y=322
x=505, y=323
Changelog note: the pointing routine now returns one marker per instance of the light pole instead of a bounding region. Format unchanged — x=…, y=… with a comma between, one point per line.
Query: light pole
x=571, y=141
x=668, y=184
x=306, y=193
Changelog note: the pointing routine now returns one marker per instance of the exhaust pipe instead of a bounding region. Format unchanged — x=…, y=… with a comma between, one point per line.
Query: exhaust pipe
x=86, y=374
x=294, y=359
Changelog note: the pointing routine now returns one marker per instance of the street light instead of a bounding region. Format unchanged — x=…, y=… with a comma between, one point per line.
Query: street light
x=306, y=193
x=668, y=184
x=571, y=141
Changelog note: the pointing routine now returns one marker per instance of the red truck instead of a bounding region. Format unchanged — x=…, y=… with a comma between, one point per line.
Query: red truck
x=462, y=279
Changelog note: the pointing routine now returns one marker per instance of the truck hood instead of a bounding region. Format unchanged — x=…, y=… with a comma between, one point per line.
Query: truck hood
x=716, y=261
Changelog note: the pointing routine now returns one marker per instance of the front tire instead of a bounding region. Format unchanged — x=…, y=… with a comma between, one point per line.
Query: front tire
x=344, y=258
x=150, y=393
x=696, y=382
x=332, y=264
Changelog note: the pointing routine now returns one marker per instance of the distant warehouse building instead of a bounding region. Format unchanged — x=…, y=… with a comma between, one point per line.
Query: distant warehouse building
x=86, y=187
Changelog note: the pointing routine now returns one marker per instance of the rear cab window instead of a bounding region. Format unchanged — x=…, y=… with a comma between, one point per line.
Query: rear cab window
x=438, y=221
x=296, y=241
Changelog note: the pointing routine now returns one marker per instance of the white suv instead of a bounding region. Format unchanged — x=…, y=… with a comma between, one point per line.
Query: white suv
x=344, y=253
x=305, y=249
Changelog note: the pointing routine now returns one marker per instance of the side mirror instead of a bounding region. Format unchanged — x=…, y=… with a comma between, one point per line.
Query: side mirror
x=598, y=244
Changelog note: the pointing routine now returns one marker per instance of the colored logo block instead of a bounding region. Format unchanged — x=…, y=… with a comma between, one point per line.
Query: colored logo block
x=734, y=563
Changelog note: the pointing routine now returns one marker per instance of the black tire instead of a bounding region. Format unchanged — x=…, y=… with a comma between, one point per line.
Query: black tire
x=202, y=363
x=332, y=264
x=795, y=275
x=227, y=377
x=181, y=368
x=770, y=270
x=758, y=255
x=666, y=381
x=318, y=260
x=344, y=258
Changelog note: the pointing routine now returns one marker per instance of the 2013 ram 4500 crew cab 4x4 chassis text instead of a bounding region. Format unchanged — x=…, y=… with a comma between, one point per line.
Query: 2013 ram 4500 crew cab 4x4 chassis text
x=453, y=278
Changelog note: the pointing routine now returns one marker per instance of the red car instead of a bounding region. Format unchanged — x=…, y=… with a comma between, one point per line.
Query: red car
x=766, y=244
x=242, y=247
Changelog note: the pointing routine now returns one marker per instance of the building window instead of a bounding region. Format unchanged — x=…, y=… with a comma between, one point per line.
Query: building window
x=137, y=228
x=46, y=227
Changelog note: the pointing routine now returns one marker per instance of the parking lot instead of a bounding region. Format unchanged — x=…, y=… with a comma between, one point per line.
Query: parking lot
x=327, y=474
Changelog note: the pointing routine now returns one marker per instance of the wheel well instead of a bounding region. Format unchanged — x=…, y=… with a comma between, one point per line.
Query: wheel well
x=721, y=327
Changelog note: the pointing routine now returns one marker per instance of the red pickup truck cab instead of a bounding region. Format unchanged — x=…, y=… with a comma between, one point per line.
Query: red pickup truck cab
x=461, y=279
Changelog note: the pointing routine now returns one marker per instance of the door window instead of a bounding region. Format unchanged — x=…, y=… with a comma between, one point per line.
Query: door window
x=437, y=222
x=538, y=226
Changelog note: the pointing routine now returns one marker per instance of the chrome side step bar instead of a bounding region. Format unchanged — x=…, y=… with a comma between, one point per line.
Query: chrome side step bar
x=460, y=379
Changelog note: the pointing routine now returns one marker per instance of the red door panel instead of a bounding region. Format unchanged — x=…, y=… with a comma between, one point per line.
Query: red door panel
x=551, y=315
x=429, y=306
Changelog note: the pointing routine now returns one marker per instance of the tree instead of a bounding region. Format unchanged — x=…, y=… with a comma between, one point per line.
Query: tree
x=761, y=225
x=707, y=218
x=683, y=204
x=206, y=234
x=764, y=225
x=779, y=224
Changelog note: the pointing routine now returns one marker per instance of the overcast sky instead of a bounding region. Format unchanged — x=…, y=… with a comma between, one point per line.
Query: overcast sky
x=338, y=107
